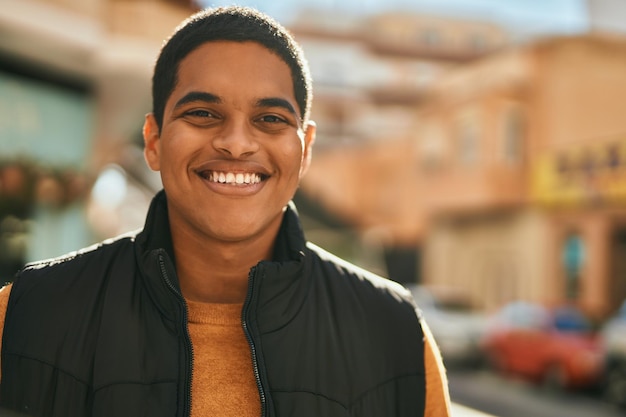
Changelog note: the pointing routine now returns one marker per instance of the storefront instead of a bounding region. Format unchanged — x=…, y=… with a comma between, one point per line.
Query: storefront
x=583, y=190
x=45, y=136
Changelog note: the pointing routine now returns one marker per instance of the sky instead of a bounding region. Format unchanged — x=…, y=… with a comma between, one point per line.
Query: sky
x=523, y=17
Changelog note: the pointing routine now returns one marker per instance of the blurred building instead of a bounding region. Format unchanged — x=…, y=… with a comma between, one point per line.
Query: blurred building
x=526, y=190
x=509, y=180
x=368, y=71
x=370, y=74
x=74, y=87
x=497, y=169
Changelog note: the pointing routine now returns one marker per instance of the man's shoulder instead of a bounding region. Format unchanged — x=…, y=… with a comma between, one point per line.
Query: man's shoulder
x=344, y=273
x=105, y=249
x=88, y=262
x=5, y=291
x=364, y=303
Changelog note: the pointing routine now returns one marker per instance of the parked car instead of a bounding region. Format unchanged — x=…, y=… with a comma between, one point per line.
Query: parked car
x=456, y=327
x=557, y=347
x=613, y=335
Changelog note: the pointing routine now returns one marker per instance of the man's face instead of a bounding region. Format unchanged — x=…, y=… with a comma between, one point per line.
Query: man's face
x=232, y=148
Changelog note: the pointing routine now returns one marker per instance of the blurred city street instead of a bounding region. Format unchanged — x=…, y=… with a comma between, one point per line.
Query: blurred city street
x=506, y=397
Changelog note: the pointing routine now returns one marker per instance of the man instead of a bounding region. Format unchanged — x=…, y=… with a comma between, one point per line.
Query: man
x=219, y=307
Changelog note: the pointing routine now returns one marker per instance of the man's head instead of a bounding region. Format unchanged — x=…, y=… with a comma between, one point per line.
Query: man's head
x=229, y=24
x=229, y=133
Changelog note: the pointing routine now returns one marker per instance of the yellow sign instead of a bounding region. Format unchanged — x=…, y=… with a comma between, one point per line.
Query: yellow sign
x=581, y=175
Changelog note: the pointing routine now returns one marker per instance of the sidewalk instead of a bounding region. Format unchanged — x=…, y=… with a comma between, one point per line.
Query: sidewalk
x=459, y=410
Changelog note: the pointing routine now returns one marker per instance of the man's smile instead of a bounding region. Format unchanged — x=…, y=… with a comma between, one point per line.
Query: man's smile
x=235, y=178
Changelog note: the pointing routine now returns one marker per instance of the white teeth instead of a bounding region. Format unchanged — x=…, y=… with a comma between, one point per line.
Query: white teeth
x=235, y=178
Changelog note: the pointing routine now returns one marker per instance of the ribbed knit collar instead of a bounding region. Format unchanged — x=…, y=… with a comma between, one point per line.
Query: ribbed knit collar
x=214, y=313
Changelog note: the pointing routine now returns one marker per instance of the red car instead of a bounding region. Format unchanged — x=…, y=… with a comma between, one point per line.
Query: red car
x=557, y=347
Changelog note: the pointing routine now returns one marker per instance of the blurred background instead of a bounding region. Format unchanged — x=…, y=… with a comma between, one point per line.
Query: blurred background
x=473, y=150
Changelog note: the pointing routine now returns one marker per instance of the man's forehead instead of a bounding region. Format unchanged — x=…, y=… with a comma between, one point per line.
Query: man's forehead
x=235, y=56
x=222, y=67
x=234, y=47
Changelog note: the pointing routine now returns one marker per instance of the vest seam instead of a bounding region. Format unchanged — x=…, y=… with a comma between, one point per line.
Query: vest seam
x=50, y=365
x=80, y=380
x=157, y=382
x=317, y=394
x=359, y=397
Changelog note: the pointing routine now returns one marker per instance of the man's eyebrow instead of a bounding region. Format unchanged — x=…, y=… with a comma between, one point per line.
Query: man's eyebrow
x=277, y=102
x=195, y=96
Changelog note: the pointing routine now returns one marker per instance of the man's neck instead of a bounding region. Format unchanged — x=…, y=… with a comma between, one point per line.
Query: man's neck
x=217, y=272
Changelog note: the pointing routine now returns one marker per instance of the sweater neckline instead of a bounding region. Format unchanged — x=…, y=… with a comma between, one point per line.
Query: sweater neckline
x=214, y=313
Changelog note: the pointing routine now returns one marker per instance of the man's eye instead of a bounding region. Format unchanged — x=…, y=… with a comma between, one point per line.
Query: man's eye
x=272, y=119
x=199, y=113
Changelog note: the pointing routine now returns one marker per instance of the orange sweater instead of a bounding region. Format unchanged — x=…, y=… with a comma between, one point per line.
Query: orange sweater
x=223, y=381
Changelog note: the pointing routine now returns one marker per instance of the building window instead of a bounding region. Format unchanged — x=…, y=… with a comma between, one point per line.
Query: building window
x=43, y=179
x=431, y=37
x=478, y=42
x=513, y=135
x=573, y=260
x=613, y=156
x=432, y=148
x=467, y=140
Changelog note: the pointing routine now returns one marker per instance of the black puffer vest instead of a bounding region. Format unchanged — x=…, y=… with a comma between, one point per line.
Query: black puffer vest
x=103, y=333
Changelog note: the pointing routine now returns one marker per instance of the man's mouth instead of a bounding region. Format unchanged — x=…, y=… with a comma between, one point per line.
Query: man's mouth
x=235, y=178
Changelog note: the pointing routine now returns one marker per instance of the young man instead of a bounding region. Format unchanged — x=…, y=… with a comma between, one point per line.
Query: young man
x=219, y=307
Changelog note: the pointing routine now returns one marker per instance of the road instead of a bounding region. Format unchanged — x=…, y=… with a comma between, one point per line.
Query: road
x=501, y=397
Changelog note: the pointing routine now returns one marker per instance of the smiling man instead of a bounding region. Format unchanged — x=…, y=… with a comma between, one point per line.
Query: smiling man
x=219, y=306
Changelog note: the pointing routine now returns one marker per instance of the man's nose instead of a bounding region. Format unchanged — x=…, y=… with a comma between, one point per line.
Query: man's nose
x=236, y=139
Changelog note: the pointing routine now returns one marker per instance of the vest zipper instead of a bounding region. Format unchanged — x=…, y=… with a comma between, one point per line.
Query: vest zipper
x=188, y=345
x=246, y=329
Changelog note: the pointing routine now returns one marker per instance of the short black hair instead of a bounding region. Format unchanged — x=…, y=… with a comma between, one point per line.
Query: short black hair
x=234, y=23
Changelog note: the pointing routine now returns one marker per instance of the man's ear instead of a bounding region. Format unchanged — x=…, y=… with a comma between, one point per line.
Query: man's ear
x=152, y=142
x=309, y=140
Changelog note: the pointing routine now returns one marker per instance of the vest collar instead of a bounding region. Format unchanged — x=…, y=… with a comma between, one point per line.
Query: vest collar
x=155, y=254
